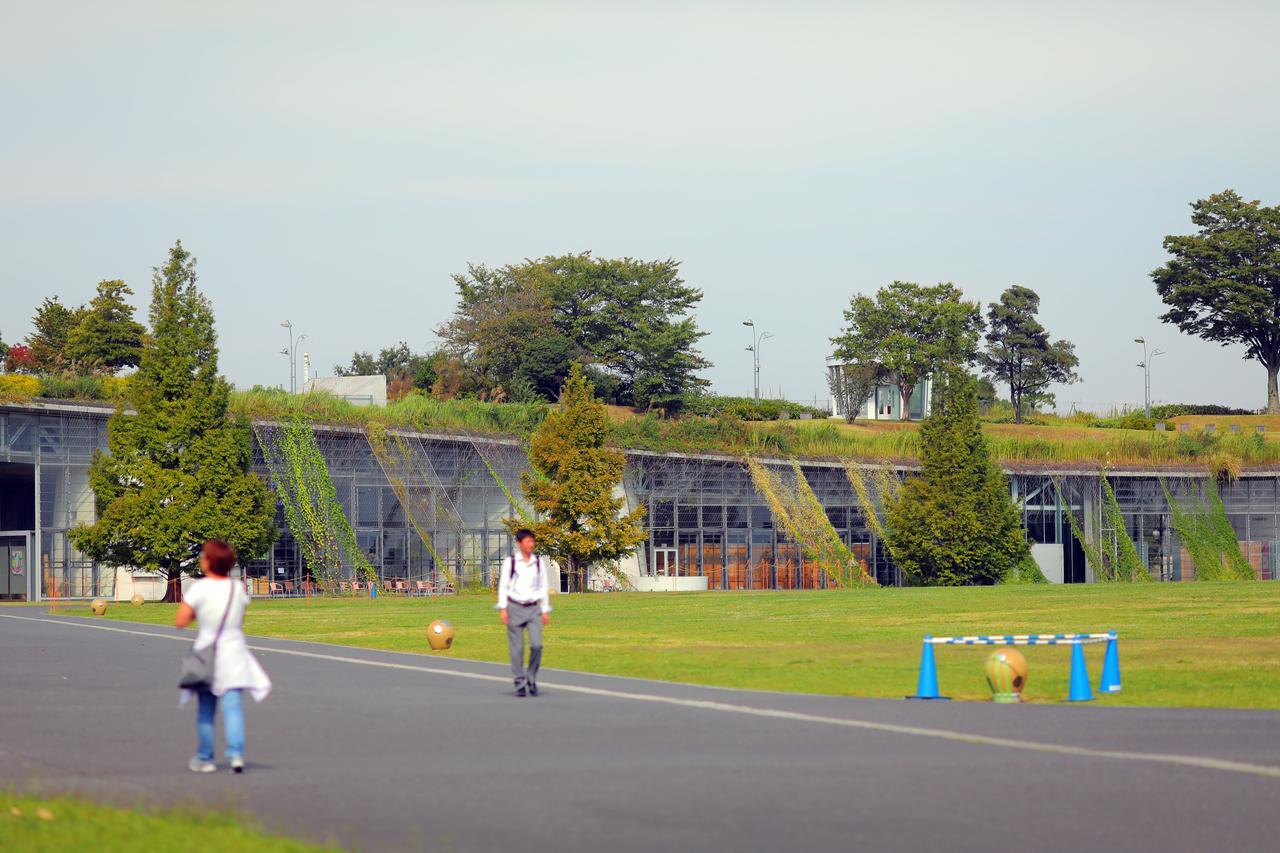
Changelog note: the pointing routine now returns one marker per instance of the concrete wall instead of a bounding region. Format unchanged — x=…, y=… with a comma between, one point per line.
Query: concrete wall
x=1049, y=558
x=360, y=390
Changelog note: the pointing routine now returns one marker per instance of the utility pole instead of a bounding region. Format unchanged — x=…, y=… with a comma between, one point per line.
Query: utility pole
x=754, y=349
x=1145, y=364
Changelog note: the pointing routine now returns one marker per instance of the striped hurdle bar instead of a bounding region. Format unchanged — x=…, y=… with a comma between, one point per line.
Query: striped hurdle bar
x=927, y=683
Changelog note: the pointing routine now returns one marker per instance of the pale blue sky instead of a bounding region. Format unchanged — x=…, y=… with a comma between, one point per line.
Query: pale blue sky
x=334, y=163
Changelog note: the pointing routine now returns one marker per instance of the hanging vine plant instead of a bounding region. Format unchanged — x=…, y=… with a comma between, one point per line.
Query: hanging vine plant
x=397, y=466
x=805, y=520
x=1127, y=566
x=520, y=508
x=313, y=513
x=1206, y=532
x=872, y=504
x=1092, y=552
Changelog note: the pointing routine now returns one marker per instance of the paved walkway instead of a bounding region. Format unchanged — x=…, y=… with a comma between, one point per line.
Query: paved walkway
x=387, y=751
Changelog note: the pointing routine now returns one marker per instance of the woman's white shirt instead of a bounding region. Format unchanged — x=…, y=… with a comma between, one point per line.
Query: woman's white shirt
x=234, y=665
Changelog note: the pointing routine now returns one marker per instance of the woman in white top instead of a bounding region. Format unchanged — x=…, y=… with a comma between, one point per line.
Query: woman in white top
x=235, y=669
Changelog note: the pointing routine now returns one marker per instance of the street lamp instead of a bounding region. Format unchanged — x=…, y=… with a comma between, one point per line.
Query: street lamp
x=289, y=352
x=754, y=349
x=1145, y=364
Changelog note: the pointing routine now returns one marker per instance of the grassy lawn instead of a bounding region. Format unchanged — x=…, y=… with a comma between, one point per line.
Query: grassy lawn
x=70, y=823
x=1205, y=644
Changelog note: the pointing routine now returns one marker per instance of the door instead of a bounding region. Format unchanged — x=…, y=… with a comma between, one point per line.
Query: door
x=13, y=562
x=664, y=562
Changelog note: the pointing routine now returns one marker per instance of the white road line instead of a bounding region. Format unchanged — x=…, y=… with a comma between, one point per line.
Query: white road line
x=729, y=708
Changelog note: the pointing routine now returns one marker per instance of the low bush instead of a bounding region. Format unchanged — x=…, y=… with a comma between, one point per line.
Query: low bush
x=18, y=386
x=1133, y=420
x=1173, y=410
x=746, y=408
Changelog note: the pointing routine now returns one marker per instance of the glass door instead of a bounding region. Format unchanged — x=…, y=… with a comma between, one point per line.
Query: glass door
x=665, y=563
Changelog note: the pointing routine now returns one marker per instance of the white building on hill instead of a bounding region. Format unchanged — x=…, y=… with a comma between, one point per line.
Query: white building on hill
x=885, y=403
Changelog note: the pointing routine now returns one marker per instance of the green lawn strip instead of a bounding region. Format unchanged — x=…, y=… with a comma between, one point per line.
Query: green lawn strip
x=59, y=823
x=1190, y=644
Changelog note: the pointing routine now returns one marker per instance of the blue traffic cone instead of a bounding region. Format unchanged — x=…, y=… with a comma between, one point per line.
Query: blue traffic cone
x=1080, y=690
x=1110, y=681
x=927, y=684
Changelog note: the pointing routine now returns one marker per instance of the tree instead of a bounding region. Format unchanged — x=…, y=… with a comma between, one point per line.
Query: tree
x=571, y=488
x=4, y=353
x=911, y=331
x=178, y=472
x=1223, y=283
x=851, y=385
x=107, y=337
x=955, y=523
x=53, y=324
x=624, y=319
x=19, y=359
x=1019, y=353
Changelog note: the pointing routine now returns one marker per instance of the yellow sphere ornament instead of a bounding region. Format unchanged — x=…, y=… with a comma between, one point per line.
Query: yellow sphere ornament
x=439, y=635
x=137, y=600
x=1006, y=675
x=99, y=606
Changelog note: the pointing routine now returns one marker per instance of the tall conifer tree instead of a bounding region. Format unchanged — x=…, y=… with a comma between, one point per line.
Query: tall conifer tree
x=107, y=337
x=580, y=520
x=178, y=471
x=955, y=524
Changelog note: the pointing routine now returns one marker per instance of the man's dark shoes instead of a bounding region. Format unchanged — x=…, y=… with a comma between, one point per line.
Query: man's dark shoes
x=533, y=689
x=520, y=691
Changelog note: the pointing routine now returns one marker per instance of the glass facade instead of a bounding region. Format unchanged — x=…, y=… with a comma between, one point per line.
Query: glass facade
x=705, y=518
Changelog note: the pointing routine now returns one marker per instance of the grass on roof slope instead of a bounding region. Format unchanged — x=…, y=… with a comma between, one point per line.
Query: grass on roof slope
x=1059, y=442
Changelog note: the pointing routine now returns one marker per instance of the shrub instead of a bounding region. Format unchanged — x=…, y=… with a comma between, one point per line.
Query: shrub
x=1173, y=410
x=18, y=387
x=746, y=408
x=1133, y=420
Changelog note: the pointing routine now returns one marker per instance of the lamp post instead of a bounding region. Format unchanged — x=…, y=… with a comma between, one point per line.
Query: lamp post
x=294, y=359
x=754, y=349
x=1145, y=364
x=293, y=384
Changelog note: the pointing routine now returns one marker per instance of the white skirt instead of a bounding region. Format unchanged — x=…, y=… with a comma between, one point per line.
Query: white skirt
x=235, y=668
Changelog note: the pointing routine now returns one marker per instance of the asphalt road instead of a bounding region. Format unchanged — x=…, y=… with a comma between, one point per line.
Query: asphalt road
x=387, y=751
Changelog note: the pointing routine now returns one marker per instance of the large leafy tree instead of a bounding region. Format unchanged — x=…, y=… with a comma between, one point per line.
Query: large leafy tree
x=1223, y=282
x=573, y=483
x=1019, y=353
x=628, y=320
x=178, y=471
x=955, y=523
x=107, y=337
x=53, y=324
x=910, y=330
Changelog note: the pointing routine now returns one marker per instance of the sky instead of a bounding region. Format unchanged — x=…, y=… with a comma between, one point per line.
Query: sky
x=334, y=164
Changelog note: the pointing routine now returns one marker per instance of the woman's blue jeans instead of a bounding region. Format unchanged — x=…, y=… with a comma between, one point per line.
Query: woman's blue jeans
x=232, y=722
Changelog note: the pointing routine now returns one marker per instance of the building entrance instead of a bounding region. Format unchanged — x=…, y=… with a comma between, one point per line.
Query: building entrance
x=15, y=564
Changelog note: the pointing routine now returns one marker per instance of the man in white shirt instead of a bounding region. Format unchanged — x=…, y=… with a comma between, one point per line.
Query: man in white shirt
x=524, y=603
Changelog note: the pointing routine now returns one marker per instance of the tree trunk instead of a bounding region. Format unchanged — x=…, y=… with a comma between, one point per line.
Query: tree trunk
x=173, y=586
x=1015, y=397
x=904, y=391
x=1273, y=392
